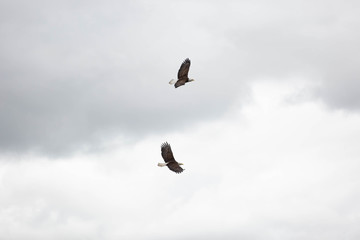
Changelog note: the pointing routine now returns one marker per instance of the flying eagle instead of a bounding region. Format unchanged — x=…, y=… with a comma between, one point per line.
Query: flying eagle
x=169, y=159
x=183, y=74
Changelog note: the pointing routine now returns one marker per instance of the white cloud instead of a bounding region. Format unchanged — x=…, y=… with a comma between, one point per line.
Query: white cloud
x=270, y=170
x=86, y=84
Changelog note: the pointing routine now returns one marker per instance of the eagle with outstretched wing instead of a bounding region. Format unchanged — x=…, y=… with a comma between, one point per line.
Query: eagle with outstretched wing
x=169, y=159
x=183, y=74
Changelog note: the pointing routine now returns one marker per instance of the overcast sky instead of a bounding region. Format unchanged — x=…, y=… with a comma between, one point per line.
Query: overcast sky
x=269, y=131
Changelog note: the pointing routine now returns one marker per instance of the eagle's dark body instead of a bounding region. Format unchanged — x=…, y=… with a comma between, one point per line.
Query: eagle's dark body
x=183, y=74
x=169, y=159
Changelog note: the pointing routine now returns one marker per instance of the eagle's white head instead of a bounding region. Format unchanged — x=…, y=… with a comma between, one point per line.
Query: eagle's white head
x=191, y=80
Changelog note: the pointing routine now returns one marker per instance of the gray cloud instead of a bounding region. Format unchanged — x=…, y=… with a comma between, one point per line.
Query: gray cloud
x=316, y=41
x=75, y=74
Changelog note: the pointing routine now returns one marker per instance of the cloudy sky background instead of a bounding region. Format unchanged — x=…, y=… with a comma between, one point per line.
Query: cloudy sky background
x=268, y=132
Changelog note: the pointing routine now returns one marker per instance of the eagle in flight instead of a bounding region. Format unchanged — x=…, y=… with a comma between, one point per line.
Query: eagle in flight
x=183, y=74
x=169, y=159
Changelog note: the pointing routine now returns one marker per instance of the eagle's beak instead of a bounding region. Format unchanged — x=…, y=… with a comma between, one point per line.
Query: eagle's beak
x=181, y=164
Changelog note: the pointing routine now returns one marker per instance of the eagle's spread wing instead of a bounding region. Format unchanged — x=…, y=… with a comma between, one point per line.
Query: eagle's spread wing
x=184, y=69
x=166, y=152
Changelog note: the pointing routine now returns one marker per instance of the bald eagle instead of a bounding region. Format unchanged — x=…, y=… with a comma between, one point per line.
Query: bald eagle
x=182, y=74
x=169, y=159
